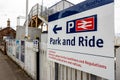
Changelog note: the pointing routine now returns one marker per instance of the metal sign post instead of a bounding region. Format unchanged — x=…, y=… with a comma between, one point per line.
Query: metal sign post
x=36, y=47
x=38, y=61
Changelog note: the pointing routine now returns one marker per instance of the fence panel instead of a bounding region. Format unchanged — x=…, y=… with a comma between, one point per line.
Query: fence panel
x=47, y=68
x=30, y=59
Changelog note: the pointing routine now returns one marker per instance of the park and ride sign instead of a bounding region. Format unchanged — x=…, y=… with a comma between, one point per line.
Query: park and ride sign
x=82, y=37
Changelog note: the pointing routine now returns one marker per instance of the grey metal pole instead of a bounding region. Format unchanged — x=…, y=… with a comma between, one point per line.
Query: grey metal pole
x=26, y=29
x=42, y=2
x=18, y=21
x=41, y=7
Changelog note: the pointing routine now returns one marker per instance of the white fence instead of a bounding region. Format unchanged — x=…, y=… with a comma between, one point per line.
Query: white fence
x=15, y=51
x=48, y=70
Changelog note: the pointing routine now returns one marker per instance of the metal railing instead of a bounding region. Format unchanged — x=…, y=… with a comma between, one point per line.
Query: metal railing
x=40, y=11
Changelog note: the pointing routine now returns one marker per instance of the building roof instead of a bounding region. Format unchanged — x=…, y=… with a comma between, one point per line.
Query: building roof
x=8, y=31
x=7, y=28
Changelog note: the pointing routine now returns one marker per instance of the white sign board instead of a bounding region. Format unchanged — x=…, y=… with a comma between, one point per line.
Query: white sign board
x=35, y=45
x=82, y=37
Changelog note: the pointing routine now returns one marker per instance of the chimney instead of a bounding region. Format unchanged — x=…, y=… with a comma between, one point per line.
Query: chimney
x=8, y=23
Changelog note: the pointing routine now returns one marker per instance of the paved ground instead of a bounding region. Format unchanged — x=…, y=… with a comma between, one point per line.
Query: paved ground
x=10, y=71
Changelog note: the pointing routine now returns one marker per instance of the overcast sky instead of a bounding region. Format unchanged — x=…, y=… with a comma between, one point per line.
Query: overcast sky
x=14, y=8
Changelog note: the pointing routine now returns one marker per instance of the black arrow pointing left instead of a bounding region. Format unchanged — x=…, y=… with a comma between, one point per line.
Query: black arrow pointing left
x=55, y=29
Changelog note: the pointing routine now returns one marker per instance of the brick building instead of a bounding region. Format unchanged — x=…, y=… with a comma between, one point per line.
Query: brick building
x=7, y=32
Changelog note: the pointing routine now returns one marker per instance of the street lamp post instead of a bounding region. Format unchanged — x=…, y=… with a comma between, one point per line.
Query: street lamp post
x=26, y=28
x=41, y=7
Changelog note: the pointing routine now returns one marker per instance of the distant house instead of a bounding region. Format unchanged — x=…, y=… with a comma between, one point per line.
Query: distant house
x=7, y=32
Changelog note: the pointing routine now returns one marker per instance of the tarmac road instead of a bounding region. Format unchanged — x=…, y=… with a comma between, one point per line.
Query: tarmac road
x=10, y=71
